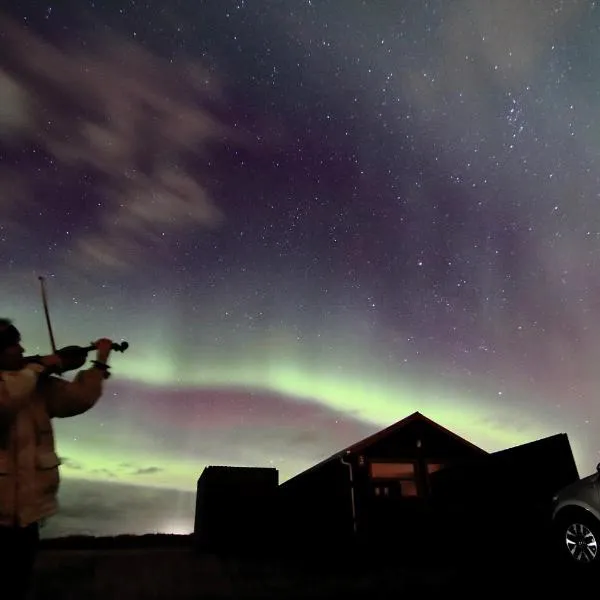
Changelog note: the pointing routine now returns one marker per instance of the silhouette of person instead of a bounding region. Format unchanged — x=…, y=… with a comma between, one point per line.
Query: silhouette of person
x=31, y=395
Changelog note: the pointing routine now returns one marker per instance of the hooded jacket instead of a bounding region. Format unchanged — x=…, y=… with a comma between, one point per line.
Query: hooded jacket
x=29, y=465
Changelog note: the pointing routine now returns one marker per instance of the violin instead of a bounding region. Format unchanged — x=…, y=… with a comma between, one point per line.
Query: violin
x=72, y=357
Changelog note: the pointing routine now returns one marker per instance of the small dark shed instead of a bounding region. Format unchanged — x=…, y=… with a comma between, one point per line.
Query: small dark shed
x=235, y=507
x=374, y=489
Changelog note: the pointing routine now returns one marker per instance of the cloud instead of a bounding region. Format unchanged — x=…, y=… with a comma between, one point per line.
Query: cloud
x=148, y=471
x=488, y=58
x=118, y=472
x=507, y=39
x=94, y=508
x=71, y=464
x=15, y=107
x=136, y=127
x=16, y=197
x=107, y=473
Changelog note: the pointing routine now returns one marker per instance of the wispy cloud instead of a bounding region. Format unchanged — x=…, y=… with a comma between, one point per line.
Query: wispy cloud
x=135, y=125
x=148, y=471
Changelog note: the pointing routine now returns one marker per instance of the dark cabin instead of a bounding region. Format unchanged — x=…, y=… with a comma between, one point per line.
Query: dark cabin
x=375, y=489
x=530, y=473
x=508, y=491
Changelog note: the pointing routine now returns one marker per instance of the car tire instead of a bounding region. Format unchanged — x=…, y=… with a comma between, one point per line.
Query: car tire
x=577, y=536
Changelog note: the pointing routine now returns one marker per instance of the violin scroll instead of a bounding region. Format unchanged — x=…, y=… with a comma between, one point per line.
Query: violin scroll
x=115, y=347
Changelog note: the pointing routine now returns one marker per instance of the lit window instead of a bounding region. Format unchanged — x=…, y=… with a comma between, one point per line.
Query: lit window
x=433, y=467
x=392, y=470
x=408, y=488
x=395, y=479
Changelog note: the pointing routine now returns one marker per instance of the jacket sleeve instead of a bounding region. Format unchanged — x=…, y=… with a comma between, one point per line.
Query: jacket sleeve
x=17, y=387
x=72, y=398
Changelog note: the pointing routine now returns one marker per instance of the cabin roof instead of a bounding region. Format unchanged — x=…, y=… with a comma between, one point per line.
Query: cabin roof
x=379, y=435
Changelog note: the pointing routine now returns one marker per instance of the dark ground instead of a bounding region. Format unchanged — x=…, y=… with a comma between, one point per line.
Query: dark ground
x=174, y=570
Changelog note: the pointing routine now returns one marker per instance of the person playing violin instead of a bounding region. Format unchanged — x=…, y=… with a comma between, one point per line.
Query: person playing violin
x=31, y=395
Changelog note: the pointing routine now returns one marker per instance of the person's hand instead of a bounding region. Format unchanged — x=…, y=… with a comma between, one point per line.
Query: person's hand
x=103, y=348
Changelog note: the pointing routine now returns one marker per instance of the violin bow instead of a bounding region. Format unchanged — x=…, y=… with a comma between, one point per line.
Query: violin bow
x=45, y=303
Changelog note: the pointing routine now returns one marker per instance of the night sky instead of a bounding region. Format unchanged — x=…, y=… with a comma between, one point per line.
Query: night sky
x=309, y=219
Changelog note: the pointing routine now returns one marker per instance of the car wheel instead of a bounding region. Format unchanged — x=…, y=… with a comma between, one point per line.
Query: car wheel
x=579, y=538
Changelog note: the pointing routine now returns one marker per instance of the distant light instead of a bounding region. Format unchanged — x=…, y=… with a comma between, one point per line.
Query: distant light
x=177, y=527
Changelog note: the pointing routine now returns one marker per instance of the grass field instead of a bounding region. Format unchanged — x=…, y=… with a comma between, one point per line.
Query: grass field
x=178, y=572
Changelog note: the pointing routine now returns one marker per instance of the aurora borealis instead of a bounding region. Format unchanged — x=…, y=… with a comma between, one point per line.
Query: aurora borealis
x=309, y=219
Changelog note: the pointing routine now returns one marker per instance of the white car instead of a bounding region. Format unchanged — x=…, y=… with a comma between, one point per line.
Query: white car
x=576, y=520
